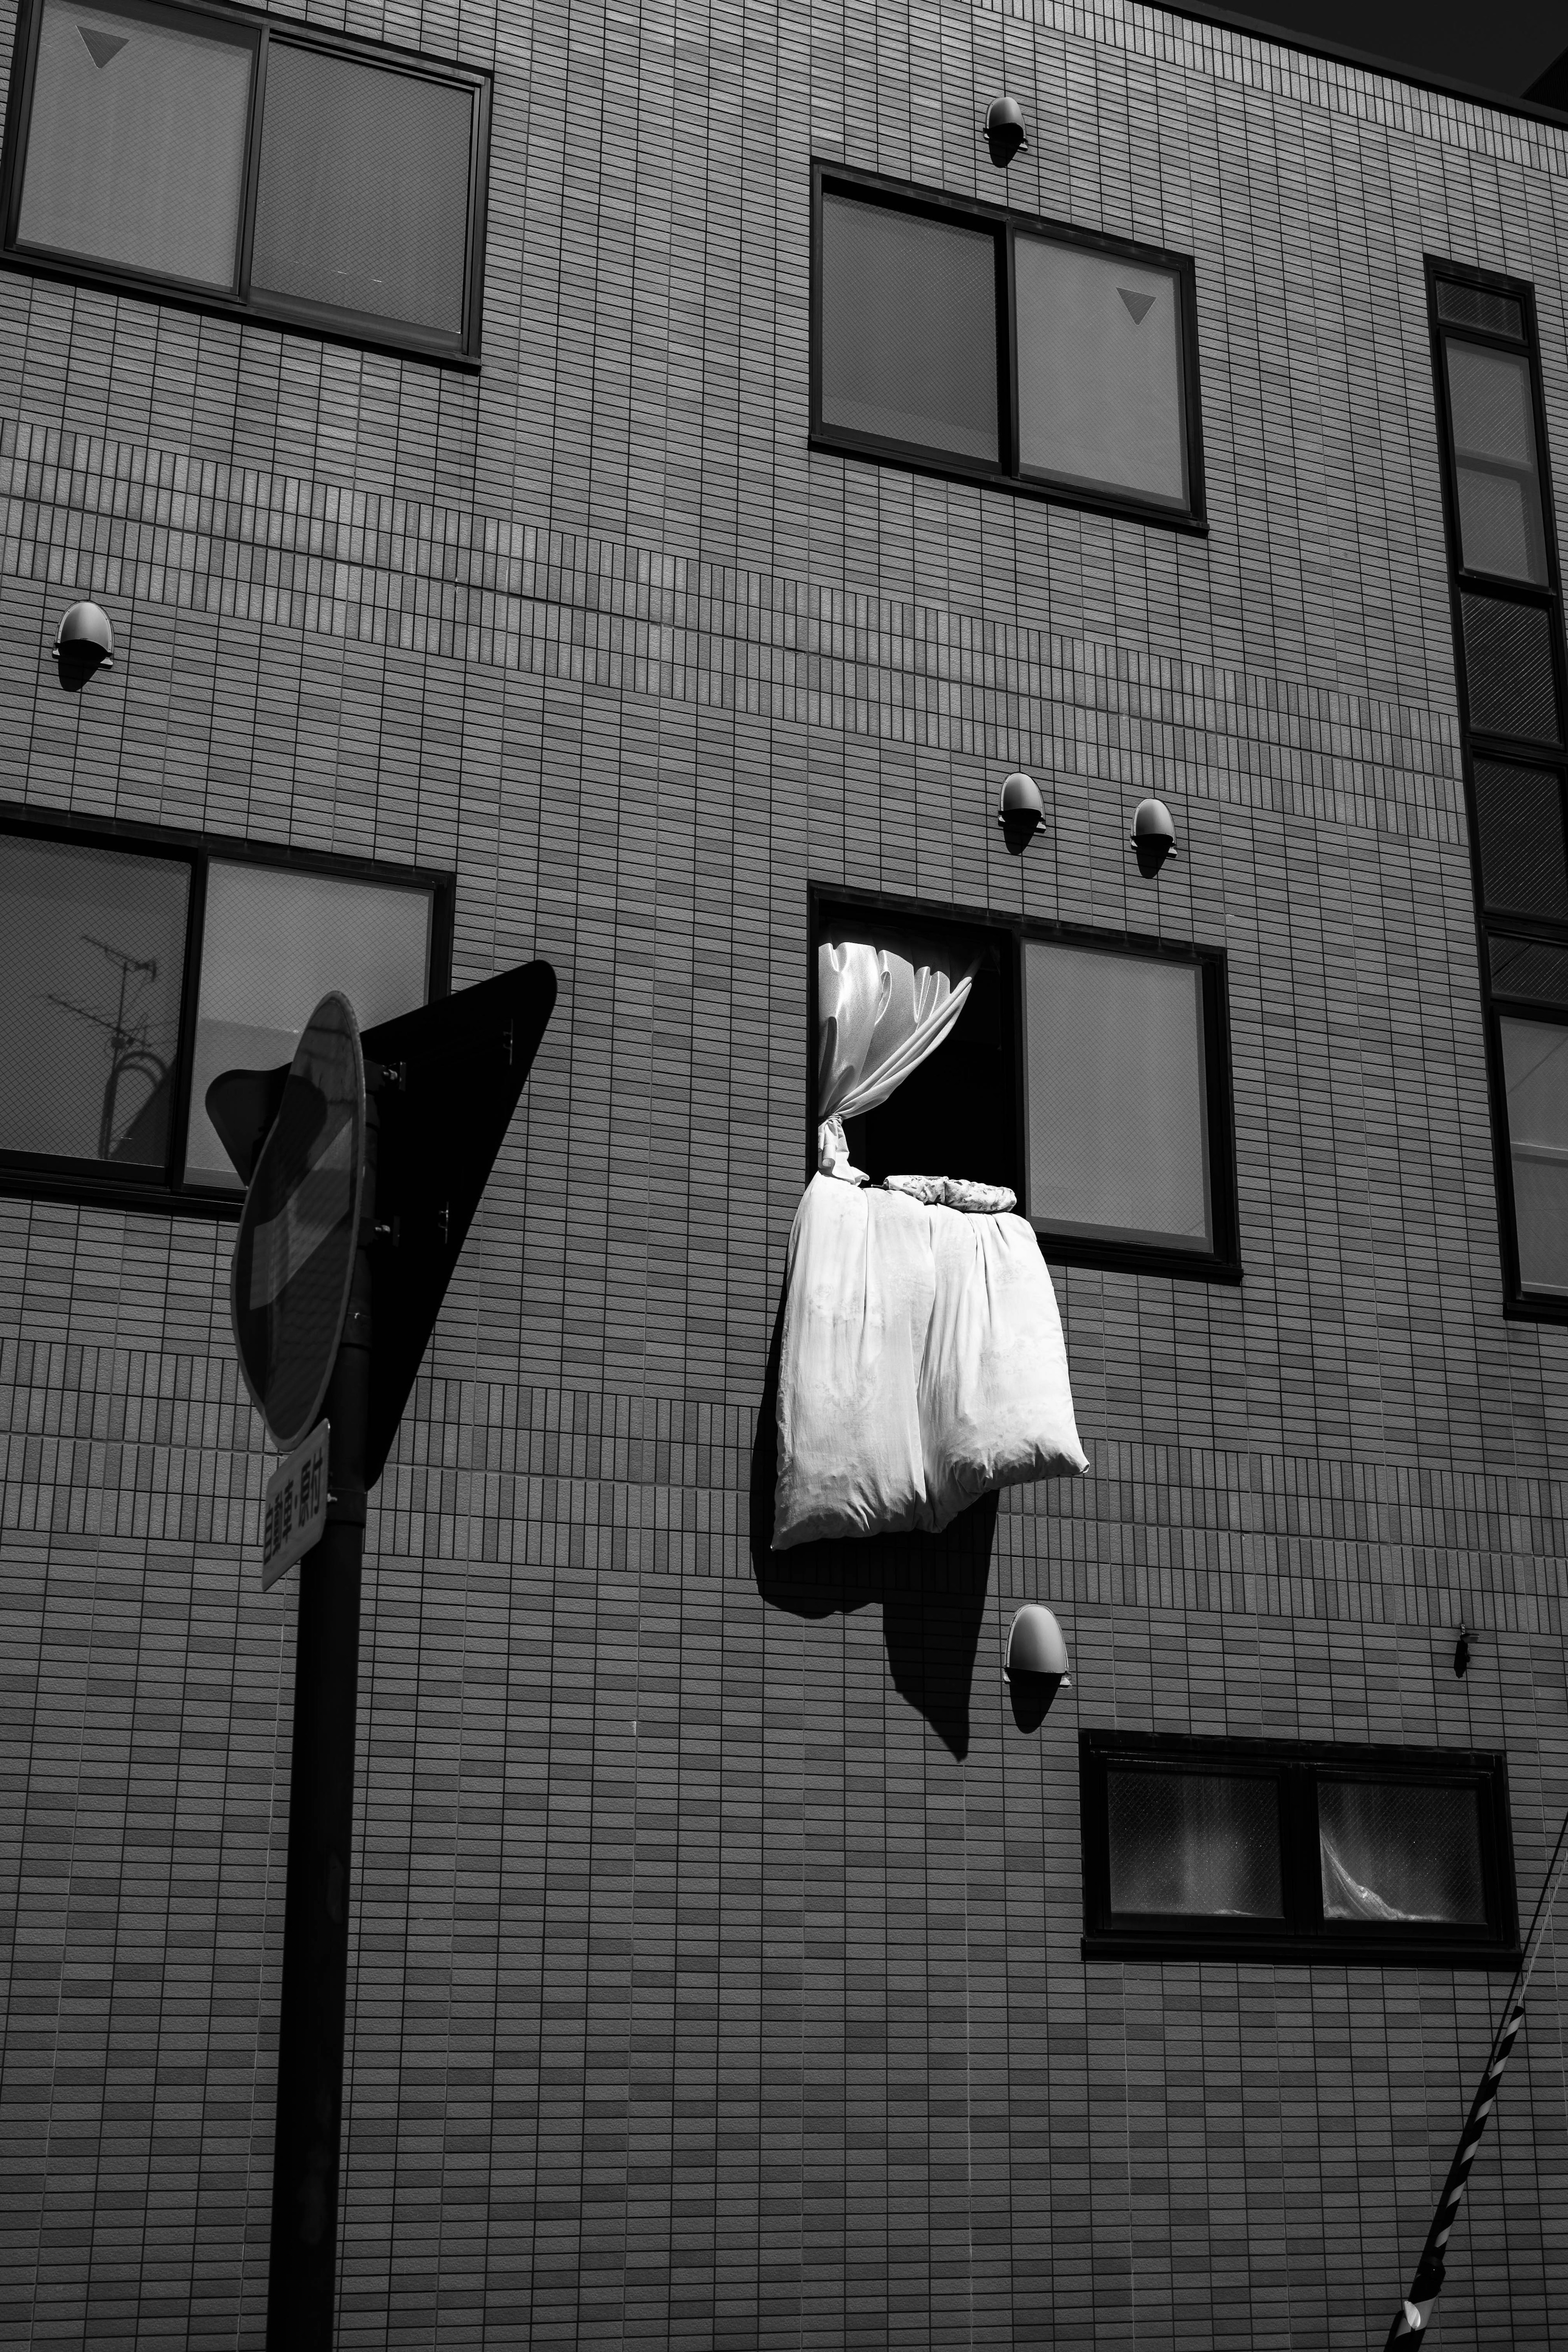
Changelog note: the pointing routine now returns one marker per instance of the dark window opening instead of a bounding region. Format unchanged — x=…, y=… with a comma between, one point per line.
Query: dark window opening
x=960, y=339
x=216, y=156
x=1271, y=1850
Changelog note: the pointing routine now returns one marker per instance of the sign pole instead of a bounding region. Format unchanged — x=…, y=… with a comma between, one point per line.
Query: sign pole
x=307, y=2147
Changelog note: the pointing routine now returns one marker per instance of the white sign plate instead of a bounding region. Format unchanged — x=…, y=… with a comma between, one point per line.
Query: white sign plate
x=294, y=1509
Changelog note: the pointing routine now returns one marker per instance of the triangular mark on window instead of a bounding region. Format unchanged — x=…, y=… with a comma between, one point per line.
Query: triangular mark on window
x=1140, y=305
x=101, y=47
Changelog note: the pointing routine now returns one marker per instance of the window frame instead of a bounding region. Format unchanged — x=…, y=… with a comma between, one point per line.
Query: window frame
x=1223, y=1263
x=1518, y=1302
x=49, y=1176
x=1305, y=1936
x=1006, y=225
x=321, y=320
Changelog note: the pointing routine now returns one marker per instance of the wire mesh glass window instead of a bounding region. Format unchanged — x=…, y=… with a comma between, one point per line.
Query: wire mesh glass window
x=1509, y=669
x=1117, y=1091
x=133, y=970
x=1284, y=1850
x=147, y=136
x=952, y=337
x=1524, y=858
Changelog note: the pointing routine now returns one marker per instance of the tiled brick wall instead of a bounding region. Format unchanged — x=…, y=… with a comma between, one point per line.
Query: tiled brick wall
x=717, y=1980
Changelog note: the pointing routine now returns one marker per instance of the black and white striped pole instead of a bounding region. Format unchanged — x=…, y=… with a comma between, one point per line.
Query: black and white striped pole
x=1415, y=2313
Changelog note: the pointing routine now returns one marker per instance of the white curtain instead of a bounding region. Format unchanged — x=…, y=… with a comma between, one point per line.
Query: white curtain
x=884, y=1004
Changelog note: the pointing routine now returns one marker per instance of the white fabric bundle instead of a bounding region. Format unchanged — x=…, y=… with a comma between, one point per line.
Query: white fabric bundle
x=923, y=1365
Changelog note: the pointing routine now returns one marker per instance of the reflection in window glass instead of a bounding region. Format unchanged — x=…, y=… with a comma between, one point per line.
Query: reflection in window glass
x=93, y=948
x=1494, y=447
x=1194, y=1844
x=273, y=943
x=908, y=328
x=362, y=202
x=136, y=142
x=1395, y=1853
x=1099, y=370
x=1118, y=1112
x=1535, y=1075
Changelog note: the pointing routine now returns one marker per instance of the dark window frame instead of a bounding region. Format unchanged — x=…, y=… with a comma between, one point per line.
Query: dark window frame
x=1297, y=1767
x=1518, y=1302
x=1223, y=1265
x=1006, y=225
x=321, y=320
x=50, y=1176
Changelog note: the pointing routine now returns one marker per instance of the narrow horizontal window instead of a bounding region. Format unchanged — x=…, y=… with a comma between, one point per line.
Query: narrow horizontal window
x=133, y=971
x=962, y=340
x=1086, y=1074
x=212, y=156
x=1206, y=1848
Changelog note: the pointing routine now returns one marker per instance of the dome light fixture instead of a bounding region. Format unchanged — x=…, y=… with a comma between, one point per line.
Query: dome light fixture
x=1037, y=1666
x=1153, y=836
x=84, y=644
x=1004, y=130
x=1020, y=813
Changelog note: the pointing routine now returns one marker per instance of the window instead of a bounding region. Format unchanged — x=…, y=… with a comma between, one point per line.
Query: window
x=966, y=341
x=1087, y=1071
x=1263, y=1850
x=255, y=167
x=1508, y=637
x=134, y=968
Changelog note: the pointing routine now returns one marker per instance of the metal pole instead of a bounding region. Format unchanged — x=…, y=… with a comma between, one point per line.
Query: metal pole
x=301, y=2276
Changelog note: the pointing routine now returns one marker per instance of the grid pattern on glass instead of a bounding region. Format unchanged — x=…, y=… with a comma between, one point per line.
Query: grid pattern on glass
x=1117, y=1096
x=1535, y=1079
x=274, y=941
x=1401, y=1853
x=1524, y=860
x=93, y=948
x=1099, y=370
x=1193, y=1844
x=136, y=143
x=908, y=328
x=1475, y=305
x=363, y=199
x=1509, y=668
x=1494, y=451
x=1529, y=968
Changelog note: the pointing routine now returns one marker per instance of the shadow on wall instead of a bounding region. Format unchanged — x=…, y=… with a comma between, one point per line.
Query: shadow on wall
x=931, y=1588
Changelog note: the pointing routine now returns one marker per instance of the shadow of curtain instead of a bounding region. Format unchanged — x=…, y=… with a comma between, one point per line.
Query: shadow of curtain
x=931, y=1588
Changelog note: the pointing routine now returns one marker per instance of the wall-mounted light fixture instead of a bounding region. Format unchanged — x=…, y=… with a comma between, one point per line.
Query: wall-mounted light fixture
x=1004, y=130
x=84, y=644
x=1153, y=836
x=1037, y=1663
x=1020, y=813
x=1462, y=1652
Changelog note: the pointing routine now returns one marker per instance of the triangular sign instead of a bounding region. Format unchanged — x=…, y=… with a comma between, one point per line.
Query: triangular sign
x=1140, y=305
x=101, y=47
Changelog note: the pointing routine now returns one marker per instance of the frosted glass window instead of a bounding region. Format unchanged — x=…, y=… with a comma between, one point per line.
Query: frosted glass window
x=136, y=142
x=1193, y=1844
x=1401, y=1852
x=1535, y=1075
x=363, y=204
x=908, y=328
x=1494, y=450
x=1117, y=1098
x=1100, y=372
x=92, y=945
x=273, y=943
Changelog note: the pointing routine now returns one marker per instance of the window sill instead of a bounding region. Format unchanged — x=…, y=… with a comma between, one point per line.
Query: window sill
x=87, y=1192
x=1126, y=1257
x=1016, y=485
x=1301, y=1951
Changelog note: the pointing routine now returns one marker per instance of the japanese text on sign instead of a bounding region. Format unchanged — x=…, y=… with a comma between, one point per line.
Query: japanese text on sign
x=294, y=1507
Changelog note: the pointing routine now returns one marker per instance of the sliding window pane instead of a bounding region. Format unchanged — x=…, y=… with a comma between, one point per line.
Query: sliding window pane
x=1100, y=372
x=1192, y=1844
x=1535, y=1075
x=1494, y=446
x=273, y=943
x=362, y=205
x=92, y=945
x=908, y=328
x=1117, y=1098
x=1397, y=1853
x=136, y=142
